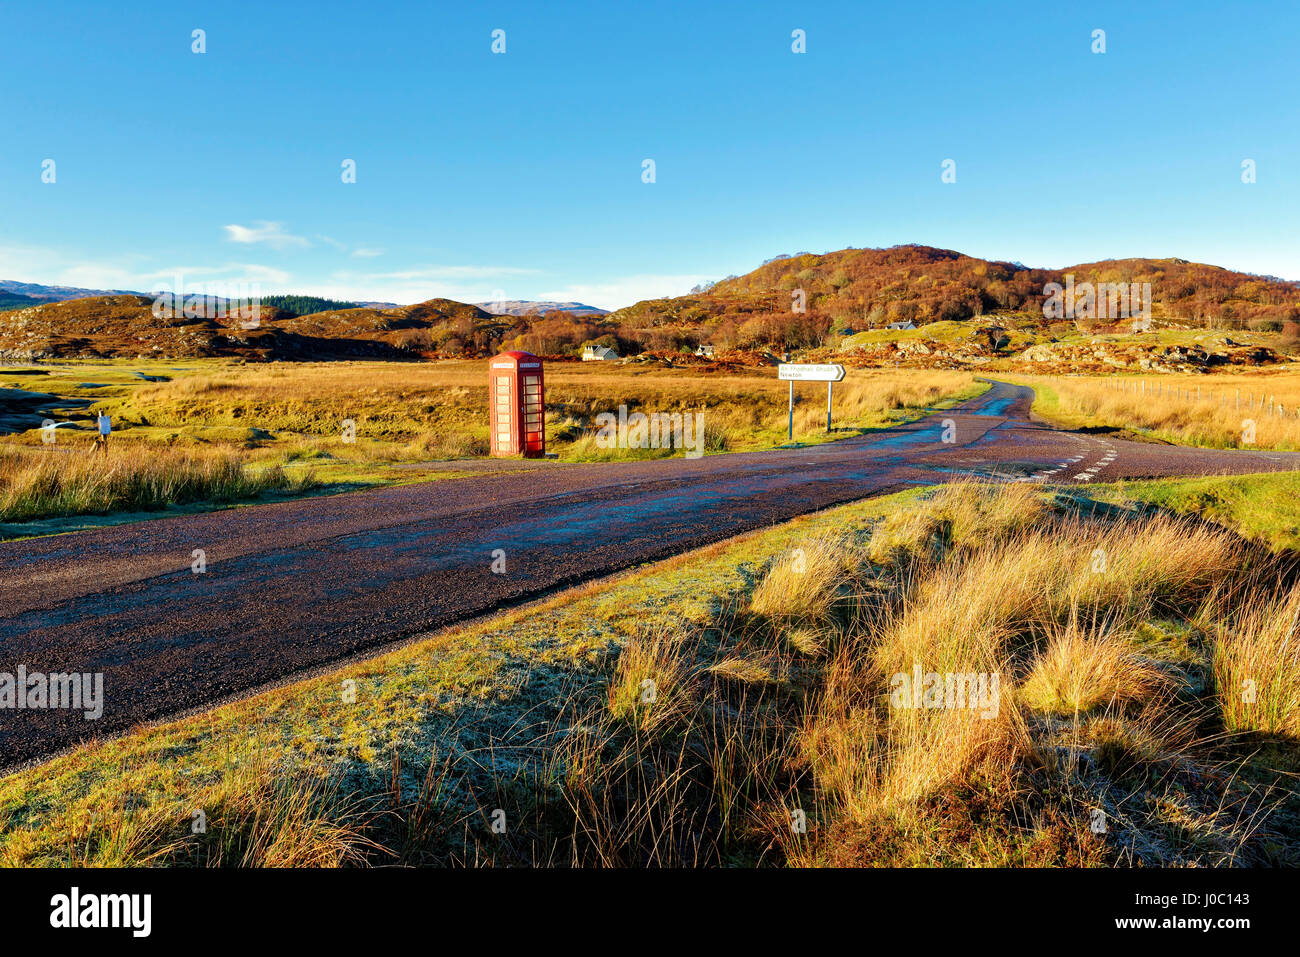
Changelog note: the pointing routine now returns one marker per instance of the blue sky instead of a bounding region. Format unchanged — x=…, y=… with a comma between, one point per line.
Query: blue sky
x=519, y=175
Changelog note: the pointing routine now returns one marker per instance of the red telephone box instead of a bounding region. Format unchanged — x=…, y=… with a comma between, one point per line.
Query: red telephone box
x=518, y=405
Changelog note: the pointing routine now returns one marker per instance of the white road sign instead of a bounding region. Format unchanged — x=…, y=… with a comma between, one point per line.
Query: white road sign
x=809, y=373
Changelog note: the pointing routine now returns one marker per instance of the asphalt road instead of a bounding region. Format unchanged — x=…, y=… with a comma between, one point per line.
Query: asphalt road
x=296, y=585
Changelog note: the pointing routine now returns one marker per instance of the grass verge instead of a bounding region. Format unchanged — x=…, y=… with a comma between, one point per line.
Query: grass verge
x=1260, y=410
x=1076, y=702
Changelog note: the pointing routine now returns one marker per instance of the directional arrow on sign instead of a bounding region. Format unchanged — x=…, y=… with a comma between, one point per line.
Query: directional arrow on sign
x=796, y=372
x=793, y=372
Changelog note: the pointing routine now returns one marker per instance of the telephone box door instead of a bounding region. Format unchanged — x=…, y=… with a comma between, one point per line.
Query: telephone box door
x=517, y=405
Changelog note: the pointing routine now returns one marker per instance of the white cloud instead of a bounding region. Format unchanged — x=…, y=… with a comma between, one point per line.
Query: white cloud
x=21, y=263
x=262, y=231
x=439, y=273
x=50, y=268
x=247, y=273
x=89, y=275
x=461, y=282
x=464, y=283
x=359, y=252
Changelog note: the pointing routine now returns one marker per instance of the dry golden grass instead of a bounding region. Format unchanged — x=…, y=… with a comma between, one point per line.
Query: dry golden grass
x=960, y=616
x=927, y=750
x=43, y=483
x=715, y=739
x=1256, y=410
x=259, y=818
x=805, y=580
x=403, y=401
x=869, y=758
x=994, y=585
x=651, y=687
x=1081, y=670
x=749, y=669
x=959, y=515
x=254, y=816
x=1257, y=666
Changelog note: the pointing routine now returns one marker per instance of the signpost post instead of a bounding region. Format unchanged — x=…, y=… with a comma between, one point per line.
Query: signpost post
x=104, y=426
x=800, y=372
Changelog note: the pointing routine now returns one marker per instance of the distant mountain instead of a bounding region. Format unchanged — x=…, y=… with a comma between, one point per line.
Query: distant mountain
x=31, y=292
x=35, y=290
x=14, y=294
x=524, y=307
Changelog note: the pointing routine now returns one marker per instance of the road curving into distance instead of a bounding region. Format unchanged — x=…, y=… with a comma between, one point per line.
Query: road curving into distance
x=296, y=585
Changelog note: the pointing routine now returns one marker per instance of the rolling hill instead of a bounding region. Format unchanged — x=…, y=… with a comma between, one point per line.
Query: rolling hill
x=125, y=326
x=850, y=296
x=852, y=290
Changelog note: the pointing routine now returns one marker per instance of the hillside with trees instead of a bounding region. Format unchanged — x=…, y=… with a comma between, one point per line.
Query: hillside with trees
x=844, y=293
x=132, y=326
x=304, y=305
x=853, y=290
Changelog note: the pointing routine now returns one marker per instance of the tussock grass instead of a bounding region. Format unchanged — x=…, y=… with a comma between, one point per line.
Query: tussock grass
x=1203, y=410
x=871, y=758
x=257, y=817
x=804, y=581
x=652, y=682
x=1026, y=580
x=37, y=484
x=1257, y=667
x=1085, y=669
x=777, y=730
x=749, y=669
x=959, y=515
